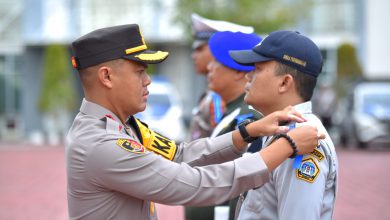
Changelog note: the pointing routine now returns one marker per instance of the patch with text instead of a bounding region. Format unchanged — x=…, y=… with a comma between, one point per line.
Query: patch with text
x=308, y=170
x=317, y=154
x=156, y=142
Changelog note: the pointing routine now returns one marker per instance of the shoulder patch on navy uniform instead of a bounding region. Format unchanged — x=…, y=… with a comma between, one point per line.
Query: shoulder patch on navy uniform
x=131, y=145
x=308, y=170
x=317, y=154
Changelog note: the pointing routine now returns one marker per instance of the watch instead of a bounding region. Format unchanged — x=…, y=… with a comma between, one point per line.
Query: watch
x=244, y=133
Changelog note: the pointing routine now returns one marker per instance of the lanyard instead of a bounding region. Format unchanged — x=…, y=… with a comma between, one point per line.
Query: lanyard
x=298, y=158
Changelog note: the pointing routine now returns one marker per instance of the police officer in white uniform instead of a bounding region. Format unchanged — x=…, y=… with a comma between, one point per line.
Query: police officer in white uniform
x=287, y=65
x=117, y=168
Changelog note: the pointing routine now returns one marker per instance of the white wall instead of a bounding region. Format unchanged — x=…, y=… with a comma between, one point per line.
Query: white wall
x=376, y=59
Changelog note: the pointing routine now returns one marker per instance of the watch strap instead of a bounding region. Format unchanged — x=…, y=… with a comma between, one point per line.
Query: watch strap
x=244, y=133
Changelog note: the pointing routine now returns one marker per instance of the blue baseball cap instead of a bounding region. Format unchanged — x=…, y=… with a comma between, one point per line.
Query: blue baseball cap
x=288, y=47
x=222, y=42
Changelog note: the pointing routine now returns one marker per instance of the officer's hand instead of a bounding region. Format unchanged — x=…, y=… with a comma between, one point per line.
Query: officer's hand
x=271, y=124
x=306, y=138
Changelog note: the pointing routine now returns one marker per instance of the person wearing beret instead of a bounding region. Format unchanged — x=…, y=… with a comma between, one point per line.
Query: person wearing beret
x=287, y=65
x=117, y=168
x=208, y=113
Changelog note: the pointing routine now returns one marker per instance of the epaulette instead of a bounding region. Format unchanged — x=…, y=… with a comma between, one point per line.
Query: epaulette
x=112, y=126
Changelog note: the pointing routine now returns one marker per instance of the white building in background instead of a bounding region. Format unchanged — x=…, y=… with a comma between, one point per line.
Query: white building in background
x=376, y=45
x=26, y=26
x=363, y=23
x=11, y=49
x=26, y=29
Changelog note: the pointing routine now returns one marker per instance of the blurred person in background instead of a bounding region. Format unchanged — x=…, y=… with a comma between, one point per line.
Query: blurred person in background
x=117, y=168
x=210, y=107
x=324, y=104
x=227, y=79
x=287, y=65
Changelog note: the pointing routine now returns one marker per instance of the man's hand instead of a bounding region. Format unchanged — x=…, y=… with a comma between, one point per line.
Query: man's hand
x=271, y=124
x=306, y=138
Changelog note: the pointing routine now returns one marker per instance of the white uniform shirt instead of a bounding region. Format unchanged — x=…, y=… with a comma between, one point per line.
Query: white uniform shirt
x=307, y=193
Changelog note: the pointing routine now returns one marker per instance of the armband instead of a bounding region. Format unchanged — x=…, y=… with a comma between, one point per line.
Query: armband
x=156, y=142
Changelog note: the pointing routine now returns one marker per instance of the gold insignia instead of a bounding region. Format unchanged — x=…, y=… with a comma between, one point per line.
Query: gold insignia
x=317, y=154
x=159, y=55
x=294, y=60
x=135, y=49
x=308, y=170
x=151, y=208
x=131, y=145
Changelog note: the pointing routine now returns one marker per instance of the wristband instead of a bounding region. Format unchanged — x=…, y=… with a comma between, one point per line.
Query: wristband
x=290, y=141
x=244, y=133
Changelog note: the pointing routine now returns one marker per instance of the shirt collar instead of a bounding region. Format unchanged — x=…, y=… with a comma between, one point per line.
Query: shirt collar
x=231, y=106
x=98, y=111
x=303, y=108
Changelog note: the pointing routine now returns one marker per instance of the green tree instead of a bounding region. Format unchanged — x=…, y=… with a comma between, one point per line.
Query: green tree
x=348, y=65
x=348, y=69
x=264, y=15
x=57, y=87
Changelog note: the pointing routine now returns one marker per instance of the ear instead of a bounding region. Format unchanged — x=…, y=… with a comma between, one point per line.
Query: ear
x=105, y=76
x=286, y=83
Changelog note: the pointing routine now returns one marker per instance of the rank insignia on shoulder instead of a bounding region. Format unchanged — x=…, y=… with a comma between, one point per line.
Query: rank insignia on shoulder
x=308, y=170
x=317, y=154
x=131, y=145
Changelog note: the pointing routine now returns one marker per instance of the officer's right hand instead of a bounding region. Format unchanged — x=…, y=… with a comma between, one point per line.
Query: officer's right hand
x=271, y=124
x=306, y=138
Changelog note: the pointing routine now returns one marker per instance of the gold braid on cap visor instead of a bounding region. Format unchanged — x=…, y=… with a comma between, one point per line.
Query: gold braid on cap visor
x=159, y=55
x=136, y=49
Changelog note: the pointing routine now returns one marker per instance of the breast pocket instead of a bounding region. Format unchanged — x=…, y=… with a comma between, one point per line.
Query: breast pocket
x=253, y=204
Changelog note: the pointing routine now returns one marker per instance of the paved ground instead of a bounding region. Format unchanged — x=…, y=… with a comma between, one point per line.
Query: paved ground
x=32, y=185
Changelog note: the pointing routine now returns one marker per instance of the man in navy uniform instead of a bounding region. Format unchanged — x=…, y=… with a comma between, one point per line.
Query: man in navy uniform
x=287, y=65
x=227, y=79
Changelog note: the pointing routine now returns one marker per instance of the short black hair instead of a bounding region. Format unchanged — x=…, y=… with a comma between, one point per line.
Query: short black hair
x=304, y=83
